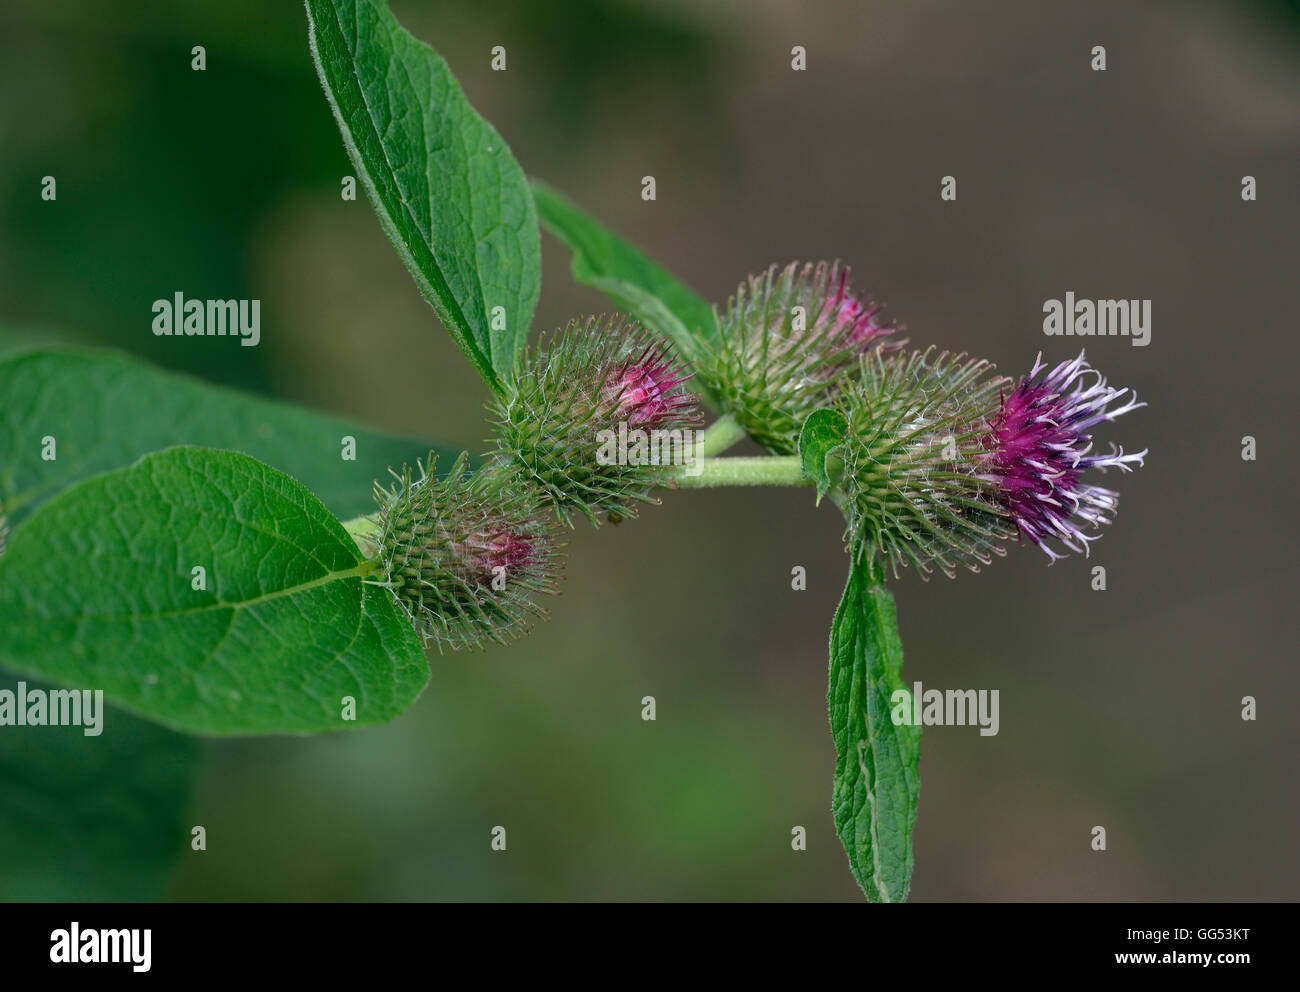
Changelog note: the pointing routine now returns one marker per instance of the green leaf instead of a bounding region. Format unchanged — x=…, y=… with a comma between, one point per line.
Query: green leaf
x=98, y=591
x=820, y=442
x=448, y=193
x=606, y=263
x=92, y=818
x=105, y=410
x=877, y=778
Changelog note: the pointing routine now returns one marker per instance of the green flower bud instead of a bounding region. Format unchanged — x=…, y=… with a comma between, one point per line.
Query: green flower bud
x=785, y=341
x=465, y=554
x=593, y=415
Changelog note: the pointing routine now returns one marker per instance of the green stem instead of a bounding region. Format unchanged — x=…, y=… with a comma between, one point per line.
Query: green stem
x=707, y=471
x=722, y=434
x=762, y=471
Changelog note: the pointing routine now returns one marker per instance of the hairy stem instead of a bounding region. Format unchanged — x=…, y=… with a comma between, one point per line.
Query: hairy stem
x=761, y=471
x=708, y=471
x=722, y=434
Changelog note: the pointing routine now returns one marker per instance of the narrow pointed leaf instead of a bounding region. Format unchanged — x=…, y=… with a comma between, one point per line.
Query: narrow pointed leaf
x=448, y=192
x=877, y=776
x=633, y=282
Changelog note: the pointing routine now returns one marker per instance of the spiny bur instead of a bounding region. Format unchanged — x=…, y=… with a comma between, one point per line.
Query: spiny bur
x=786, y=339
x=465, y=554
x=594, y=415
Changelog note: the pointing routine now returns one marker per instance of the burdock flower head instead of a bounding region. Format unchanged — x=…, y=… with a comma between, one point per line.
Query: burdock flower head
x=1039, y=445
x=943, y=461
x=914, y=423
x=465, y=554
x=594, y=415
x=787, y=337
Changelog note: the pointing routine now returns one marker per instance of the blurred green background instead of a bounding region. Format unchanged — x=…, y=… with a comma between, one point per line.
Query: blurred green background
x=1119, y=708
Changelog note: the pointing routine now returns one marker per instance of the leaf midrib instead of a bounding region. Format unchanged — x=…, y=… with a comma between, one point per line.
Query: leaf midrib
x=360, y=571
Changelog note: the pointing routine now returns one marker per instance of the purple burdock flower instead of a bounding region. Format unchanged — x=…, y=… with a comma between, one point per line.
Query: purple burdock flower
x=646, y=390
x=1038, y=448
x=493, y=554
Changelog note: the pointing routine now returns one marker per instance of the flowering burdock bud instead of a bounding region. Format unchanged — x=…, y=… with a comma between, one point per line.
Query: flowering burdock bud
x=788, y=336
x=915, y=422
x=1039, y=445
x=465, y=554
x=594, y=415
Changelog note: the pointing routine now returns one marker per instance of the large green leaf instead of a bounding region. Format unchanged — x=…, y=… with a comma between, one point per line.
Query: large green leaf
x=606, y=263
x=91, y=818
x=105, y=410
x=449, y=194
x=877, y=777
x=98, y=591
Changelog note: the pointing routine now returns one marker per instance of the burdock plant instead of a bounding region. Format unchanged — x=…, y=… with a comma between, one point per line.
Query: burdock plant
x=1039, y=445
x=465, y=555
x=785, y=341
x=585, y=386
x=202, y=588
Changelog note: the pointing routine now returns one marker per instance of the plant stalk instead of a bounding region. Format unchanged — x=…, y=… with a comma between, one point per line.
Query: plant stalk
x=765, y=470
x=722, y=434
